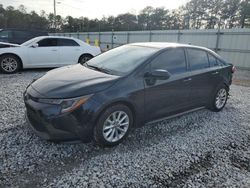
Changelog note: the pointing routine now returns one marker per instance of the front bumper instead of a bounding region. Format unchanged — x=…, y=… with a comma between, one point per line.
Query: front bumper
x=45, y=121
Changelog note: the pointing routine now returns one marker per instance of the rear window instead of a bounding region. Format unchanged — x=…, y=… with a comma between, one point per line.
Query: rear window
x=197, y=59
x=66, y=42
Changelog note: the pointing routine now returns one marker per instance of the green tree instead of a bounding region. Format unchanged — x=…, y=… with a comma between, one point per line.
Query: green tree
x=245, y=13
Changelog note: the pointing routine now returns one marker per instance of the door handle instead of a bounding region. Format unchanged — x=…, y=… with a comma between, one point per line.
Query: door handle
x=54, y=50
x=187, y=80
x=214, y=73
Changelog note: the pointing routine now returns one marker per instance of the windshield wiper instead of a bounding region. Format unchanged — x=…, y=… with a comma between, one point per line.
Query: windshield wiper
x=99, y=69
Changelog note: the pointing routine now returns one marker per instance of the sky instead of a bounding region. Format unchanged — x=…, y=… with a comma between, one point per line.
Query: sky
x=92, y=8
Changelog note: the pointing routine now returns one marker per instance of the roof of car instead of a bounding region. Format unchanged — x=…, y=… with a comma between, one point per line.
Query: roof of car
x=162, y=45
x=41, y=37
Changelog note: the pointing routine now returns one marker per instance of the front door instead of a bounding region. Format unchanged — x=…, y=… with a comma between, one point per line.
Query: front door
x=45, y=55
x=167, y=97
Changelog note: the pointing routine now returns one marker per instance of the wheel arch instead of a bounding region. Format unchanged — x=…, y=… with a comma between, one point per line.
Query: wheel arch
x=122, y=102
x=13, y=54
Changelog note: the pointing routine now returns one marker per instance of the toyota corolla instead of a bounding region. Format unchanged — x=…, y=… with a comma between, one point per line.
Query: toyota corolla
x=126, y=87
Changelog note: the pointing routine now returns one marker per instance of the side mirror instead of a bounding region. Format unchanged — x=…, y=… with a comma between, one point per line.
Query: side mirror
x=159, y=74
x=35, y=45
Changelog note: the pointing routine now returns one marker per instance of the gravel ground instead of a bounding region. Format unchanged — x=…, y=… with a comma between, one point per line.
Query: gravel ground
x=201, y=149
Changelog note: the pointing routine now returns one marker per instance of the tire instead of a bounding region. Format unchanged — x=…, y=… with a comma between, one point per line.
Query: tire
x=84, y=58
x=10, y=64
x=219, y=98
x=108, y=130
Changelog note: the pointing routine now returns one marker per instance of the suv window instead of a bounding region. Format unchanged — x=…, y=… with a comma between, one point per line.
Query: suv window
x=6, y=34
x=66, y=42
x=197, y=59
x=213, y=61
x=47, y=42
x=172, y=60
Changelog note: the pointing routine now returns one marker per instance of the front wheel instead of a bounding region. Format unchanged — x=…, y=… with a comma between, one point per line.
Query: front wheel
x=9, y=64
x=219, y=99
x=113, y=125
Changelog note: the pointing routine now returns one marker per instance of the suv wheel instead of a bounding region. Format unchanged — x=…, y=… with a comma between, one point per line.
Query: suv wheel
x=9, y=64
x=219, y=99
x=113, y=125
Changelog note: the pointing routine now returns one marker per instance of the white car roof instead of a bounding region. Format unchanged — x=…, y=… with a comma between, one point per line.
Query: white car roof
x=62, y=37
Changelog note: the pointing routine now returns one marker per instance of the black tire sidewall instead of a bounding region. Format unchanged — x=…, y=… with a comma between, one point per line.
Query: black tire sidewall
x=98, y=130
x=11, y=56
x=83, y=56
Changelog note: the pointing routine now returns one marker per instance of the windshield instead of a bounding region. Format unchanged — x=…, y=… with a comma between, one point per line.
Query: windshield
x=29, y=42
x=121, y=60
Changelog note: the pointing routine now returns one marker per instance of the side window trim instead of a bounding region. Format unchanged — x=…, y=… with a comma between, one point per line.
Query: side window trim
x=187, y=60
x=209, y=63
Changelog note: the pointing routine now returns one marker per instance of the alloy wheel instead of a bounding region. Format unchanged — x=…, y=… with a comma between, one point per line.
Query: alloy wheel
x=115, y=126
x=221, y=98
x=9, y=64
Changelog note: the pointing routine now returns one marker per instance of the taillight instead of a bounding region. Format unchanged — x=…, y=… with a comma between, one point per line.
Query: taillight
x=233, y=69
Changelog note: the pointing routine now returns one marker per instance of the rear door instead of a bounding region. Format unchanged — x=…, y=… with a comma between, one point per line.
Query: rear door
x=203, y=77
x=69, y=51
x=45, y=55
x=167, y=97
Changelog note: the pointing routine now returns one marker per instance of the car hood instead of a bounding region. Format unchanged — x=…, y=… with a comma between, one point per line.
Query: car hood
x=72, y=81
x=6, y=44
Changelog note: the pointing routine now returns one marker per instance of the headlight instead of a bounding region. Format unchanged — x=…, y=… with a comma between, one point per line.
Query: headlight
x=67, y=105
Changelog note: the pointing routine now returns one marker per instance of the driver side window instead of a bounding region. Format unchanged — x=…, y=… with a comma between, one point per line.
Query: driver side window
x=172, y=60
x=47, y=42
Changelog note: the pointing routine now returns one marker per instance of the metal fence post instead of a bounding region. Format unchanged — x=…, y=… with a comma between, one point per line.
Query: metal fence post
x=150, y=36
x=78, y=34
x=128, y=37
x=112, y=39
x=88, y=36
x=217, y=40
x=179, y=36
x=99, y=38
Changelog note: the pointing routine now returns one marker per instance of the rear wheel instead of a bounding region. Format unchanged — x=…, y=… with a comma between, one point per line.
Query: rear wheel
x=113, y=125
x=84, y=58
x=9, y=64
x=219, y=99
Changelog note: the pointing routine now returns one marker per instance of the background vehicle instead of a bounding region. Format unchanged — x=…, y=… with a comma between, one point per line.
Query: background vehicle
x=19, y=36
x=125, y=87
x=46, y=51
